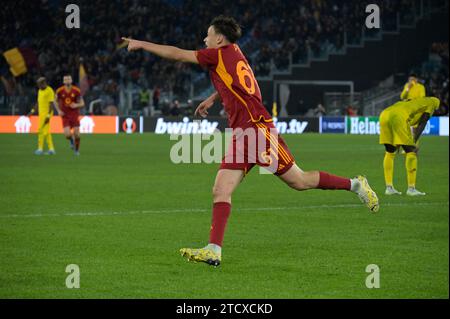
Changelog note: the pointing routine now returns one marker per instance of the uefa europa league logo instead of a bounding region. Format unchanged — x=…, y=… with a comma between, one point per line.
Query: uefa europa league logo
x=129, y=125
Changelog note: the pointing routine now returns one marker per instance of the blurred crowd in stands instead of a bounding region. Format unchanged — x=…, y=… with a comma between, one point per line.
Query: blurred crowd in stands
x=434, y=72
x=311, y=28
x=272, y=31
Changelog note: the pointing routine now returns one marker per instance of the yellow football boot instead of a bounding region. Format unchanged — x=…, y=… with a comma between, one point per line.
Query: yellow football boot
x=367, y=195
x=201, y=255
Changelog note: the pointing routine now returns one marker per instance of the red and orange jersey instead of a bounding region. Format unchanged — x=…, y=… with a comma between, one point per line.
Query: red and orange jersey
x=235, y=82
x=66, y=97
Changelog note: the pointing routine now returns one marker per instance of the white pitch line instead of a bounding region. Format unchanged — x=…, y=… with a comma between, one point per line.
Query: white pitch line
x=201, y=210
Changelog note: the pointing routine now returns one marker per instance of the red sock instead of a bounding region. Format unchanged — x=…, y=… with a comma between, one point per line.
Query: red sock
x=77, y=143
x=221, y=211
x=329, y=181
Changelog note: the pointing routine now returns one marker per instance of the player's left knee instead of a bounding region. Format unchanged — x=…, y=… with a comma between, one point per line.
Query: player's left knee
x=221, y=194
x=307, y=180
x=221, y=197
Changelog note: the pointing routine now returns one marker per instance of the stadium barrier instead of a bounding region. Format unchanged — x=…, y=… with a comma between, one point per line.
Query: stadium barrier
x=167, y=125
x=360, y=125
x=88, y=124
x=371, y=125
x=332, y=124
x=130, y=125
x=297, y=125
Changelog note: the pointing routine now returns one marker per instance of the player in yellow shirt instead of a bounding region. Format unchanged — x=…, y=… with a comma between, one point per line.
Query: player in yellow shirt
x=413, y=89
x=45, y=103
x=395, y=132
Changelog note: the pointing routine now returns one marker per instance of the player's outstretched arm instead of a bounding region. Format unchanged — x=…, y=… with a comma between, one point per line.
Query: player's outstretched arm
x=164, y=51
x=421, y=126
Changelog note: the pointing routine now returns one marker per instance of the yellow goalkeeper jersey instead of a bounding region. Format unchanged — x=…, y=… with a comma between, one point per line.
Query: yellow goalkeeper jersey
x=412, y=110
x=416, y=91
x=45, y=96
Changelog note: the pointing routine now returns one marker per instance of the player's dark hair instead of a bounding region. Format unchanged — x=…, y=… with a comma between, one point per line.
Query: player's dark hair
x=228, y=27
x=414, y=75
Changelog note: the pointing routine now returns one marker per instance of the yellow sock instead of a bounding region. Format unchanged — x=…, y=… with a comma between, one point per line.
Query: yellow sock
x=50, y=142
x=388, y=166
x=40, y=141
x=411, y=168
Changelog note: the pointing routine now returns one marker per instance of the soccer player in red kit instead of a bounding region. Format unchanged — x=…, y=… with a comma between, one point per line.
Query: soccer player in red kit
x=70, y=101
x=239, y=92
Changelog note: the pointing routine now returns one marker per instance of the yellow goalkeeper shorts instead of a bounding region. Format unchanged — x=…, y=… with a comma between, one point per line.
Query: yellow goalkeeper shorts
x=395, y=130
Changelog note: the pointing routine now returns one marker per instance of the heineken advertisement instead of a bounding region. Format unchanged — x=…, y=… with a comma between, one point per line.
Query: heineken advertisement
x=371, y=125
x=363, y=125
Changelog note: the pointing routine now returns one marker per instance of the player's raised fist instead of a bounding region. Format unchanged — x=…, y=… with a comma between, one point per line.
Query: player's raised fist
x=132, y=44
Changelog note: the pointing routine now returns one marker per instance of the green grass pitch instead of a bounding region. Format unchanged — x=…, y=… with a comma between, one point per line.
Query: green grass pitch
x=121, y=212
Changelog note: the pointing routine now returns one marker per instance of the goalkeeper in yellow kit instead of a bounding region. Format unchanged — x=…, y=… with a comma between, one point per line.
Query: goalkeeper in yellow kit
x=395, y=131
x=413, y=89
x=45, y=103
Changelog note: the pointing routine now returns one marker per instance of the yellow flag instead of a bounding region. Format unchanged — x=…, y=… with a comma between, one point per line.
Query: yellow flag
x=16, y=61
